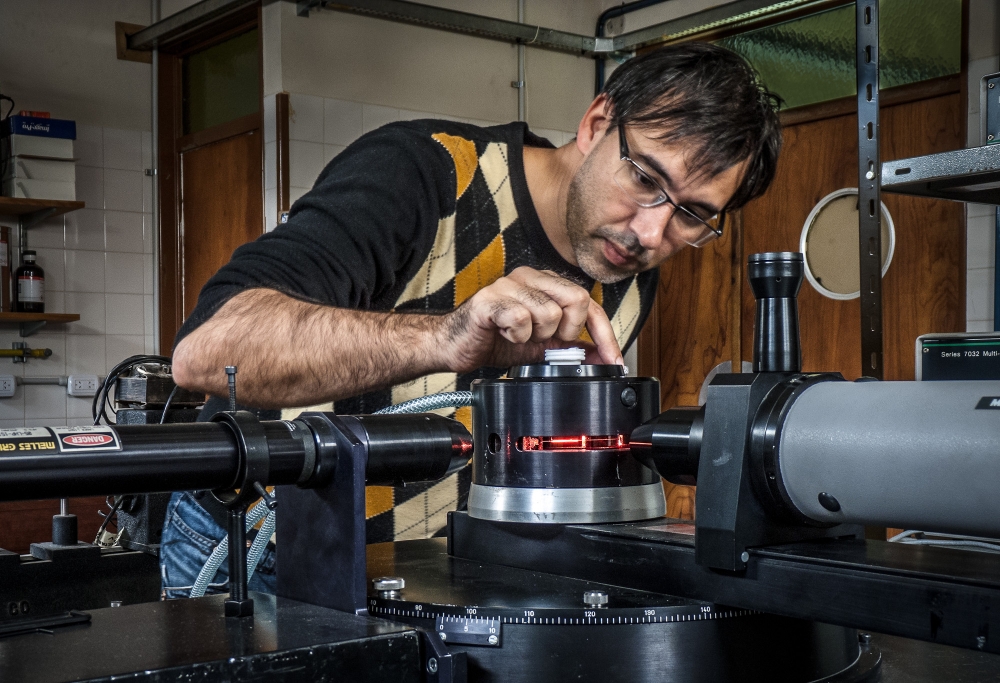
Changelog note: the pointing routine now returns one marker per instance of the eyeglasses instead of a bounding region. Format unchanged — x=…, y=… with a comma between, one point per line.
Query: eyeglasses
x=640, y=187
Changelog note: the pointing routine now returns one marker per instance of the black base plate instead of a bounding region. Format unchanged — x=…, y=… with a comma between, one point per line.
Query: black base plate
x=284, y=642
x=939, y=595
x=520, y=626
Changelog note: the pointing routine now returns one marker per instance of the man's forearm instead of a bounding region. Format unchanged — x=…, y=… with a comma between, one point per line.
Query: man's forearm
x=292, y=353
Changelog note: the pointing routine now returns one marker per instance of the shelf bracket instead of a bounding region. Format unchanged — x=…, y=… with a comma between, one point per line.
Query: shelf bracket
x=27, y=221
x=869, y=190
x=35, y=217
x=31, y=327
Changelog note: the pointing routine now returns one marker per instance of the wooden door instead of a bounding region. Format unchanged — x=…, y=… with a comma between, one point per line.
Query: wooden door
x=220, y=207
x=705, y=310
x=211, y=159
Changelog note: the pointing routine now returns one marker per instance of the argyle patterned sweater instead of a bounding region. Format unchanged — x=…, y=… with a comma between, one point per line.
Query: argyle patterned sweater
x=415, y=216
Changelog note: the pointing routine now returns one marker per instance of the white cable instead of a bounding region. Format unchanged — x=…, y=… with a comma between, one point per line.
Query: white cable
x=991, y=547
x=908, y=537
x=260, y=543
x=423, y=404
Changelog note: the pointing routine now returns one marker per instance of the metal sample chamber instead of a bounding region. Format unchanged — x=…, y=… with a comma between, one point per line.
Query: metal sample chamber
x=551, y=445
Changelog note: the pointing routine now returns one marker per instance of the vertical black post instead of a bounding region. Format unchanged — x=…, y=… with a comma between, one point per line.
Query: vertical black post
x=869, y=190
x=238, y=604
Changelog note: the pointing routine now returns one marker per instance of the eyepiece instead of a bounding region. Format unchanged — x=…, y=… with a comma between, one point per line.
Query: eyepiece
x=775, y=279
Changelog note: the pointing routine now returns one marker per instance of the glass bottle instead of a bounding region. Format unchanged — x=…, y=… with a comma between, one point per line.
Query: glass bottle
x=30, y=280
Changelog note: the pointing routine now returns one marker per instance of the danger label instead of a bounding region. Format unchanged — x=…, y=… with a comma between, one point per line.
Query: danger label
x=88, y=439
x=78, y=439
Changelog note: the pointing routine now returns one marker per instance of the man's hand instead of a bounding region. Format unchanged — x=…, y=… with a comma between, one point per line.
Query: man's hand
x=513, y=321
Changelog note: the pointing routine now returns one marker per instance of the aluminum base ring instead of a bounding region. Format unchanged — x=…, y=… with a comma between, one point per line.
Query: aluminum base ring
x=567, y=506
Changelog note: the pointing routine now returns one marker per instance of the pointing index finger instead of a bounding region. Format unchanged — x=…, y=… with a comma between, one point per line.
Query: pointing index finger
x=603, y=335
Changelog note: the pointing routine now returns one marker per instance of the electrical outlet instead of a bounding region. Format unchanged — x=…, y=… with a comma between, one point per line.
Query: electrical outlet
x=82, y=385
x=7, y=386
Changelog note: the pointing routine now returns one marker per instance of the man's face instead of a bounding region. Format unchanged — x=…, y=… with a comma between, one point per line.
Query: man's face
x=613, y=237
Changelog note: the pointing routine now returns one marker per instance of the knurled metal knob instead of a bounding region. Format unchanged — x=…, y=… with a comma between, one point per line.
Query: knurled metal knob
x=595, y=598
x=389, y=583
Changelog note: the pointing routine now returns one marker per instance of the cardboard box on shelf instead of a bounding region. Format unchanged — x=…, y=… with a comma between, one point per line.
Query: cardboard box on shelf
x=38, y=126
x=36, y=157
x=29, y=168
x=36, y=146
x=39, y=189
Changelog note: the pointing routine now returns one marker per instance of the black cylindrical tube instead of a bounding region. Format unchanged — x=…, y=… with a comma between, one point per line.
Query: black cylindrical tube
x=204, y=456
x=153, y=458
x=775, y=278
x=286, y=453
x=411, y=448
x=670, y=444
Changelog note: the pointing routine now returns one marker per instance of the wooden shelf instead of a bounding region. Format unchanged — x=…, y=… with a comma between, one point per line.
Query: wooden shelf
x=32, y=211
x=11, y=317
x=16, y=206
x=32, y=322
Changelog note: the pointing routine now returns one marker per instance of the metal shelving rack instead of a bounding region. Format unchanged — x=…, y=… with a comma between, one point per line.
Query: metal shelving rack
x=964, y=175
x=869, y=190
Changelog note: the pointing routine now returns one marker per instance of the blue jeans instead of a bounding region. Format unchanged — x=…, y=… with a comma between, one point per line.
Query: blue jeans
x=189, y=537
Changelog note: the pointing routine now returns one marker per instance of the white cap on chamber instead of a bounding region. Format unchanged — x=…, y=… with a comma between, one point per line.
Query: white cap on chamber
x=573, y=356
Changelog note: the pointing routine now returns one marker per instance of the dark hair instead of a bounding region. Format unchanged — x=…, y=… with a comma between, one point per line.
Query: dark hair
x=708, y=95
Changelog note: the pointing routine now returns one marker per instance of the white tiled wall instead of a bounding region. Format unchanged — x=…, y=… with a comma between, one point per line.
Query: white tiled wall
x=319, y=128
x=98, y=262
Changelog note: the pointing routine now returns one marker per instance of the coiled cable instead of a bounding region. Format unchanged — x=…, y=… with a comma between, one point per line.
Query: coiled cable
x=260, y=543
x=423, y=404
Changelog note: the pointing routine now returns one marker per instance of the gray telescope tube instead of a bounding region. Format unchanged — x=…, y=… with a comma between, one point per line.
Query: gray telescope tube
x=914, y=455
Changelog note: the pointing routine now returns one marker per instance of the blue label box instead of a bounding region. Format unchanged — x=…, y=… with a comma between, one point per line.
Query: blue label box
x=39, y=127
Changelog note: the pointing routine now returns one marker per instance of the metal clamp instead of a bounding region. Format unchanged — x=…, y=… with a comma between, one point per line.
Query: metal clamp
x=255, y=459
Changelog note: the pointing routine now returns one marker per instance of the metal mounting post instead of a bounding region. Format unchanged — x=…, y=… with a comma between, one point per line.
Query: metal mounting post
x=239, y=603
x=869, y=190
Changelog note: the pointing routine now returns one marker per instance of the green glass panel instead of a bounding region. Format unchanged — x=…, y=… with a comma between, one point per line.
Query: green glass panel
x=811, y=59
x=221, y=83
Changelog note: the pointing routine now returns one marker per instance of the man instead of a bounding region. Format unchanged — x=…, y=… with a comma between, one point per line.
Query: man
x=431, y=253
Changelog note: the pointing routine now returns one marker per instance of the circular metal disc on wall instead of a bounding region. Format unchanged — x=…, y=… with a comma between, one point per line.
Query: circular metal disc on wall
x=829, y=244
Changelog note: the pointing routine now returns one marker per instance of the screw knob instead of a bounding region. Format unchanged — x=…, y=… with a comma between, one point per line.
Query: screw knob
x=595, y=598
x=389, y=583
x=231, y=379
